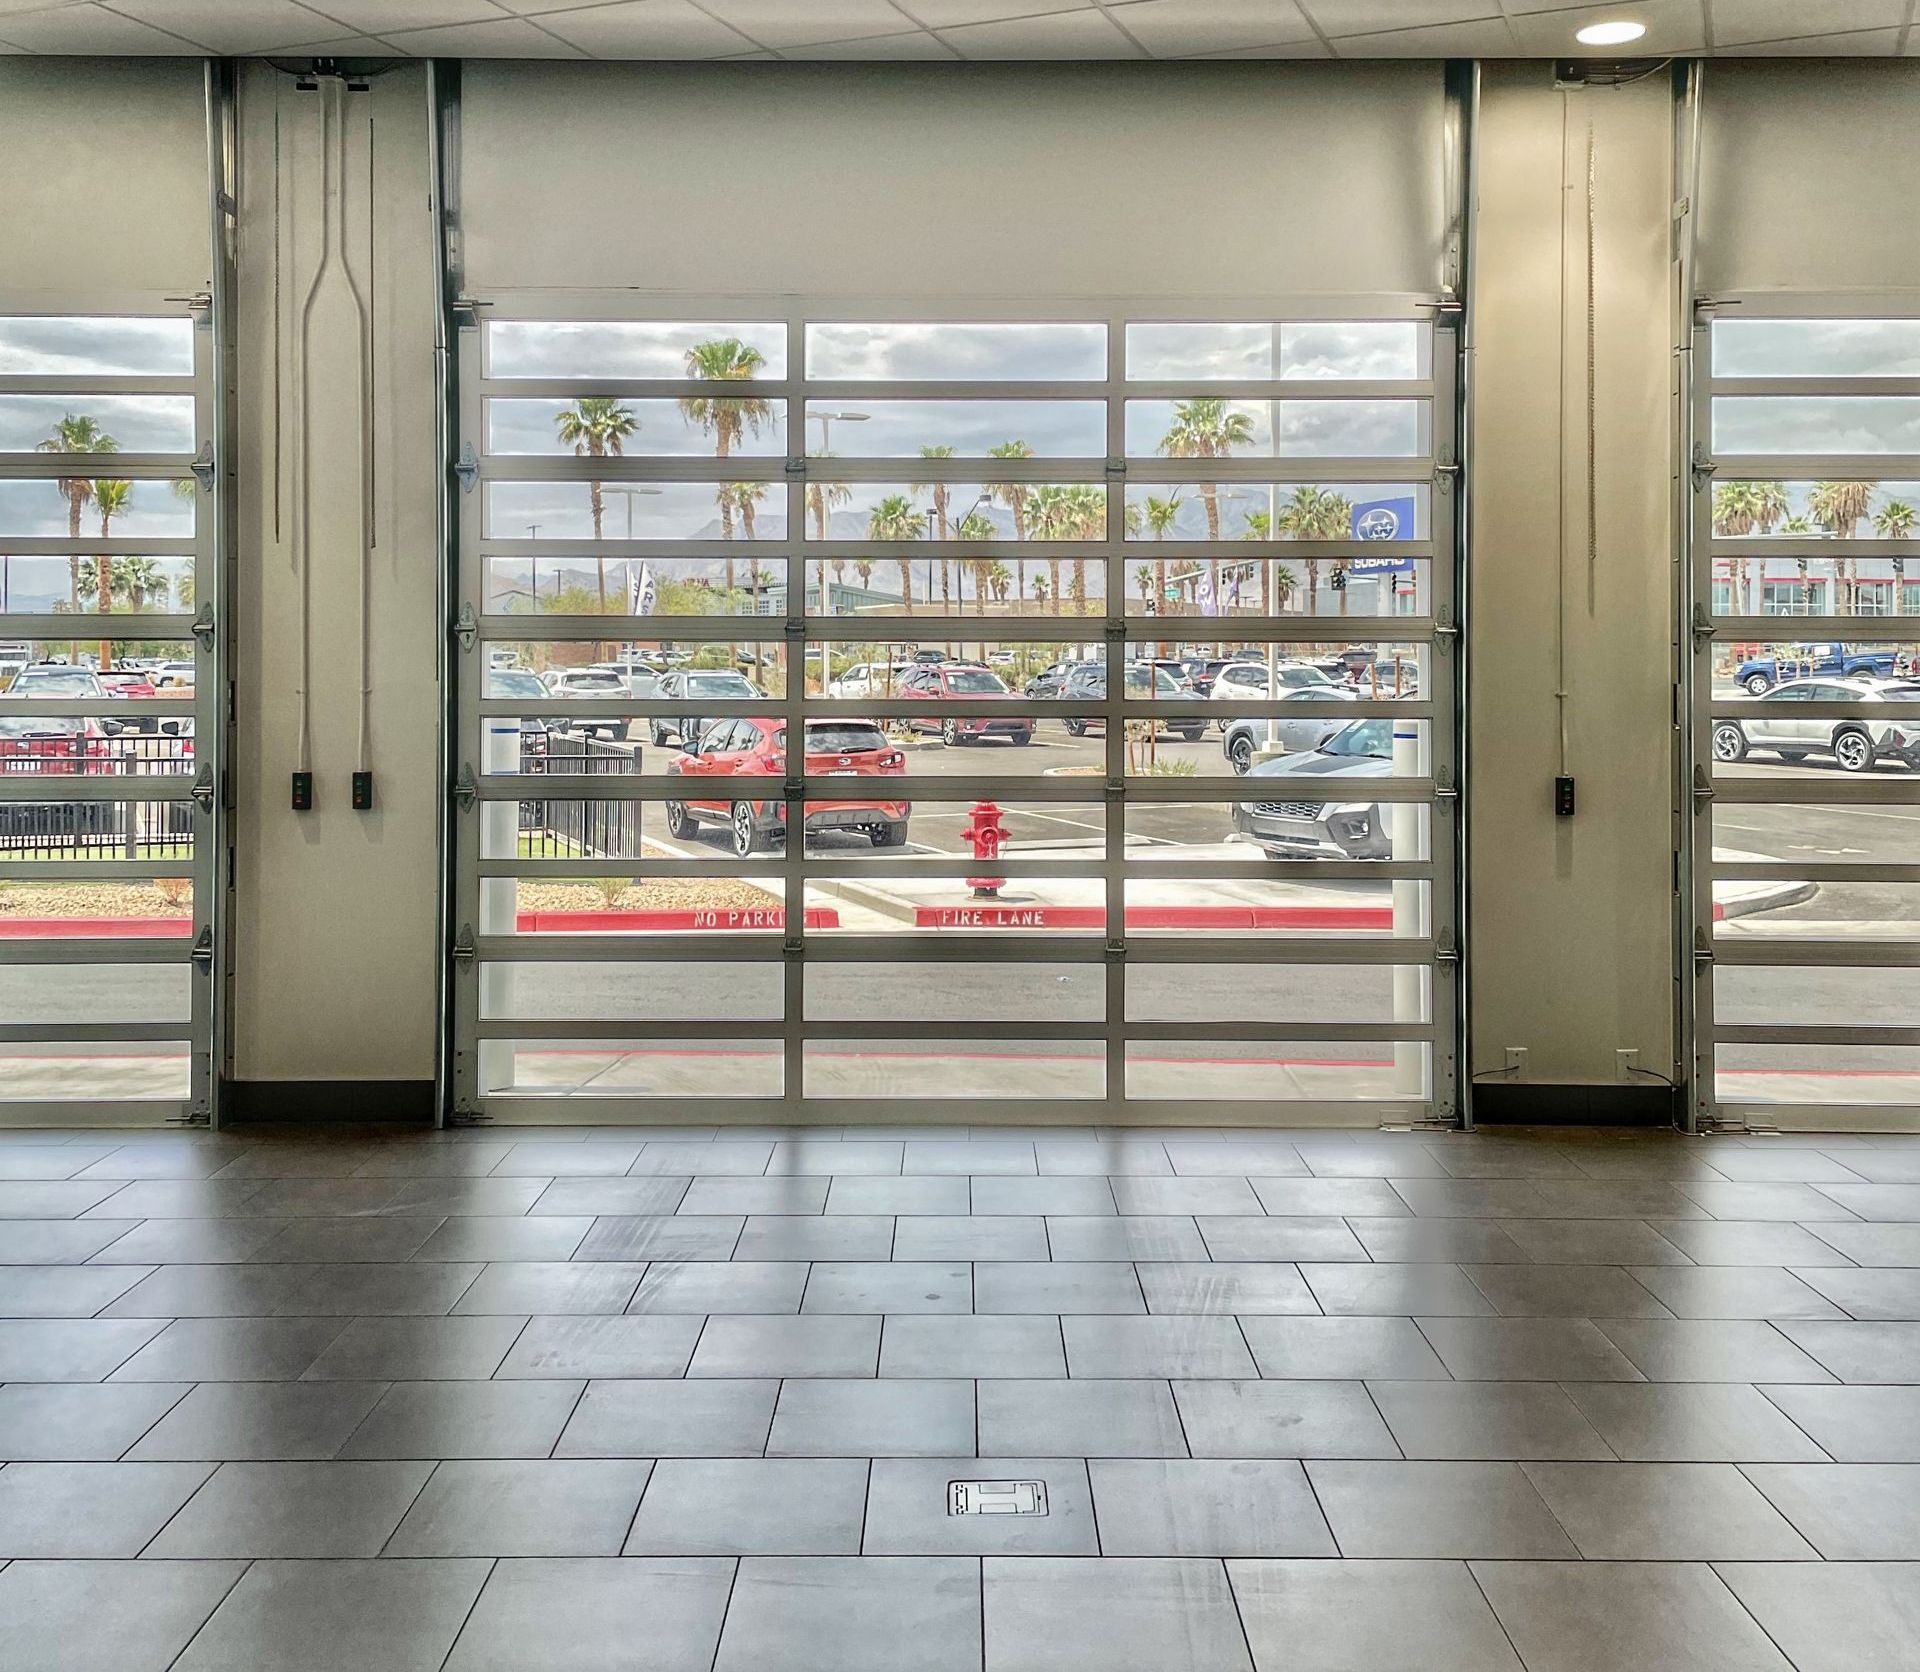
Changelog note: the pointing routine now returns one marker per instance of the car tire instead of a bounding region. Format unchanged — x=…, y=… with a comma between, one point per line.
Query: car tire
x=1240, y=754
x=1729, y=742
x=888, y=835
x=1757, y=684
x=950, y=733
x=1854, y=751
x=748, y=838
x=1022, y=739
x=659, y=735
x=1075, y=728
x=680, y=822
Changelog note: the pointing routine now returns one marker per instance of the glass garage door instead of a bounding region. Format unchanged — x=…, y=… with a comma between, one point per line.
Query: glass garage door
x=105, y=798
x=1806, y=792
x=964, y=718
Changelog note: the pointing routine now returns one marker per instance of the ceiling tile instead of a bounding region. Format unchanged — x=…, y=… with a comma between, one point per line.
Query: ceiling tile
x=1179, y=28
x=783, y=23
x=1292, y=49
x=915, y=45
x=233, y=26
x=380, y=17
x=1672, y=26
x=647, y=29
x=1736, y=22
x=1482, y=38
x=1368, y=17
x=90, y=28
x=342, y=46
x=7, y=7
x=1852, y=43
x=955, y=14
x=510, y=37
x=1083, y=34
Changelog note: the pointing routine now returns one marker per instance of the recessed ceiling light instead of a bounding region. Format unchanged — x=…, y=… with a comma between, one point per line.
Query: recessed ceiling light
x=1615, y=32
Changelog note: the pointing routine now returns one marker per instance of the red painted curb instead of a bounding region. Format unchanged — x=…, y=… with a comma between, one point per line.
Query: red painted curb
x=996, y=914
x=605, y=922
x=95, y=928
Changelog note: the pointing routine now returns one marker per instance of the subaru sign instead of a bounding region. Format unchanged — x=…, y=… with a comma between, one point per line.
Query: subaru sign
x=1383, y=519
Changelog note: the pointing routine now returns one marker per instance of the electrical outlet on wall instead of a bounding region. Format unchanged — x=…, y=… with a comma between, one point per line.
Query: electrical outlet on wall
x=1516, y=1062
x=1626, y=1062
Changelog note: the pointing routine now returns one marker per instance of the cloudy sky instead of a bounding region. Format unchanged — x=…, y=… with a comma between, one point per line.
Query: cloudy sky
x=36, y=508
x=54, y=347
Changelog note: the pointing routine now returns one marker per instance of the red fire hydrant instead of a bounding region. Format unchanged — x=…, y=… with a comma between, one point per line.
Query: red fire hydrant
x=988, y=835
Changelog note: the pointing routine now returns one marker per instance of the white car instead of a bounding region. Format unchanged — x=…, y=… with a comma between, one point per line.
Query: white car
x=1247, y=682
x=1776, y=724
x=641, y=679
x=601, y=683
x=870, y=679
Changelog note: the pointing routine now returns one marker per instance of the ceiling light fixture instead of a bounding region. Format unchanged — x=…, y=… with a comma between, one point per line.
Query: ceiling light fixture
x=1615, y=32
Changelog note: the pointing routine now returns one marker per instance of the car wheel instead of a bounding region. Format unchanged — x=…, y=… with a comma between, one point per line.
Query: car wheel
x=1729, y=743
x=888, y=835
x=658, y=734
x=679, y=821
x=1022, y=739
x=1240, y=753
x=1854, y=751
x=950, y=733
x=746, y=830
x=1758, y=685
x=1075, y=728
x=1191, y=734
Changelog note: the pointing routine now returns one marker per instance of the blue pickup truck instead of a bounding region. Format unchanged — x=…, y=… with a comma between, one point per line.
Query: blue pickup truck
x=1759, y=674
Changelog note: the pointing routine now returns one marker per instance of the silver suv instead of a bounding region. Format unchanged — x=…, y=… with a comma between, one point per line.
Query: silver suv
x=1778, y=724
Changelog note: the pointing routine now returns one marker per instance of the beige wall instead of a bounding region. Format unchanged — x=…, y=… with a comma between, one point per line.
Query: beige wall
x=335, y=910
x=1570, y=938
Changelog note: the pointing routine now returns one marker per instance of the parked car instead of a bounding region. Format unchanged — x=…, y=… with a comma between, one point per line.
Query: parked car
x=1250, y=733
x=524, y=683
x=869, y=679
x=693, y=686
x=1246, y=681
x=731, y=750
x=1177, y=671
x=597, y=684
x=1047, y=682
x=1337, y=829
x=1145, y=682
x=1759, y=674
x=641, y=679
x=53, y=746
x=55, y=680
x=1779, y=724
x=963, y=682
x=1002, y=658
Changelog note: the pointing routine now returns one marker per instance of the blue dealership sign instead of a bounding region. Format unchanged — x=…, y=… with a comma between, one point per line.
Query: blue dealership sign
x=1383, y=520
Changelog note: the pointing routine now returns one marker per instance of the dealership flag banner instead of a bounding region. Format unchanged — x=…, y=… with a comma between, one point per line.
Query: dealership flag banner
x=642, y=594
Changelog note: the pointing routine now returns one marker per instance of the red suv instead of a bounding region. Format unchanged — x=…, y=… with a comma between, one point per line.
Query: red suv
x=969, y=683
x=757, y=748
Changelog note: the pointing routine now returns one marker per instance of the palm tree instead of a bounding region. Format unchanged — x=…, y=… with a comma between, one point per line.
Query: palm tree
x=136, y=579
x=999, y=579
x=942, y=496
x=1040, y=592
x=1143, y=579
x=742, y=498
x=1049, y=517
x=1013, y=495
x=822, y=497
x=1839, y=506
x=863, y=567
x=1206, y=428
x=1161, y=515
x=895, y=518
x=76, y=433
x=110, y=499
x=1087, y=519
x=1260, y=527
x=726, y=418
x=1315, y=513
x=1895, y=520
x=594, y=427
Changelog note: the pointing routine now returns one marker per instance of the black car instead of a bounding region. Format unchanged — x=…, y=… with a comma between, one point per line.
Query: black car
x=1047, y=682
x=1088, y=683
x=695, y=685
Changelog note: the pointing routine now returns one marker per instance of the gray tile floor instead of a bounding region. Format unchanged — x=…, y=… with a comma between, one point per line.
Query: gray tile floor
x=694, y=1400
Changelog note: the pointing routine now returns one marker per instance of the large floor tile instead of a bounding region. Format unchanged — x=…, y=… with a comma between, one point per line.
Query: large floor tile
x=1244, y=1237
x=1207, y=1507
x=943, y=1238
x=755, y=1195
x=385, y=1616
x=1124, y=1237
x=522, y=1287
x=1157, y=1346
x=1029, y=1196
x=293, y=1509
x=232, y=1350
x=601, y=1346
x=416, y=1350
x=904, y=1286
x=1058, y=1286
x=71, y=1291
x=592, y=1197
x=908, y=1512
x=881, y=1195
x=1245, y=1287
x=1527, y=1350
x=810, y=1345
x=1431, y=1289
x=634, y=1614
x=737, y=1286
x=973, y=1346
x=780, y=1506
x=1709, y=1350
x=57, y=1421
x=1732, y=1292
x=497, y=1507
x=1834, y=1616
x=70, y=1349
x=1342, y=1349
x=904, y=1417
x=871, y=1615
x=1691, y=1422
x=66, y=1616
x=465, y=1419
x=1450, y=1510
x=1408, y=1240
x=1079, y=1418
x=100, y=1510
x=668, y=1418
x=1860, y=1352
x=1665, y=1512
x=1282, y=1419
x=1867, y=1292
x=1608, y=1616
x=690, y=1236
x=1113, y=1615
x=1849, y=1512
x=1856, y=1424
x=37, y=1242
x=1563, y=1291
x=260, y=1421
x=843, y=1236
x=1360, y=1616
x=1485, y=1421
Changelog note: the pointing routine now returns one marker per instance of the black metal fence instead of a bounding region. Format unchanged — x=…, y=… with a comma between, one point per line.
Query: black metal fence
x=578, y=829
x=59, y=829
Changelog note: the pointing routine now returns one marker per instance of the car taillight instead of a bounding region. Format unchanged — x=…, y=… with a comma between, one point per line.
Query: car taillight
x=776, y=763
x=892, y=759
